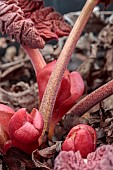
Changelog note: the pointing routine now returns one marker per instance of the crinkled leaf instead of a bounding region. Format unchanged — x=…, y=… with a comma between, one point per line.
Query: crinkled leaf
x=101, y=159
x=30, y=23
x=69, y=160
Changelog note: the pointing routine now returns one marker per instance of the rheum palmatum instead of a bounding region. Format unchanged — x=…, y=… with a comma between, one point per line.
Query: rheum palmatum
x=72, y=87
x=80, y=138
x=20, y=129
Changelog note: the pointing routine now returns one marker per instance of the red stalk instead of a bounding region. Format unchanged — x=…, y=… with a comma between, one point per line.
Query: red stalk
x=36, y=59
x=53, y=85
x=92, y=99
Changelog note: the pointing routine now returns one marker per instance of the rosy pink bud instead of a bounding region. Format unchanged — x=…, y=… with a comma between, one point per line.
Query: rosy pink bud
x=25, y=129
x=82, y=138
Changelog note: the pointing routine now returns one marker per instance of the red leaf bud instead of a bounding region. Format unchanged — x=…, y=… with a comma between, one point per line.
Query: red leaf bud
x=80, y=138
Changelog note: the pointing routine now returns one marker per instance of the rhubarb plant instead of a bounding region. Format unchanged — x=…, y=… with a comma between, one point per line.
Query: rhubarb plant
x=32, y=25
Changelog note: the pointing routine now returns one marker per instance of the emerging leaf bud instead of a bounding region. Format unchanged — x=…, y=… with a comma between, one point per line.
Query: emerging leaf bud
x=82, y=138
x=25, y=129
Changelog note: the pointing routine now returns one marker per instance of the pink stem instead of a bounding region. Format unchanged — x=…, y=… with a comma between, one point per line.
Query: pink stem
x=92, y=99
x=53, y=85
x=36, y=59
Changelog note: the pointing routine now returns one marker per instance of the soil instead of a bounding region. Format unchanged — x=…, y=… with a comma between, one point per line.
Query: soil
x=93, y=58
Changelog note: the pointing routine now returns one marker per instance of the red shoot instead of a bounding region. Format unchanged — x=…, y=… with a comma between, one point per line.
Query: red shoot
x=80, y=138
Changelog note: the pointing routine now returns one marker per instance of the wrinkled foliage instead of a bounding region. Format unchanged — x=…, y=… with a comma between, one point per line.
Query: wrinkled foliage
x=101, y=159
x=69, y=161
x=30, y=23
